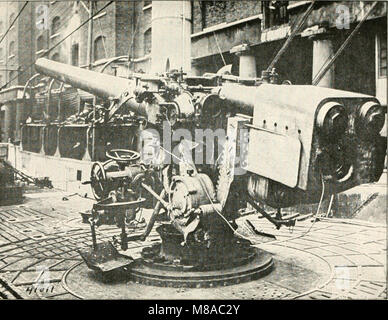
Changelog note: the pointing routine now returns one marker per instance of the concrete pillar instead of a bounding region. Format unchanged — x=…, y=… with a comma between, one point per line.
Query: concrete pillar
x=171, y=30
x=322, y=51
x=195, y=68
x=247, y=61
x=247, y=66
x=9, y=121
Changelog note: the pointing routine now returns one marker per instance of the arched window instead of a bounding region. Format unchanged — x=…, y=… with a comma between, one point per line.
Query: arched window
x=40, y=43
x=11, y=18
x=147, y=41
x=55, y=25
x=99, y=51
x=41, y=17
x=55, y=57
x=12, y=48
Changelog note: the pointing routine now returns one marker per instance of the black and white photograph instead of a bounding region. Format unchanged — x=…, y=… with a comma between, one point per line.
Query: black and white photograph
x=193, y=154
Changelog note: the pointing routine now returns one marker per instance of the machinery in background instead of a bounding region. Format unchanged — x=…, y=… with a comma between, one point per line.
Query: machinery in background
x=283, y=145
x=43, y=182
x=11, y=191
x=11, y=180
x=11, y=183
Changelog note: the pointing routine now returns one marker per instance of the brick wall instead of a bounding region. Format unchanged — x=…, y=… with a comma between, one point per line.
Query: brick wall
x=125, y=23
x=12, y=37
x=11, y=63
x=3, y=47
x=21, y=34
x=141, y=35
x=71, y=16
x=210, y=13
x=358, y=76
x=106, y=26
x=26, y=43
x=144, y=23
x=63, y=11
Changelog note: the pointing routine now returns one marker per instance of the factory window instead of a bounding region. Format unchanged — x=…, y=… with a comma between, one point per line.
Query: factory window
x=55, y=24
x=147, y=41
x=213, y=13
x=12, y=48
x=382, y=47
x=99, y=51
x=41, y=17
x=75, y=54
x=40, y=43
x=275, y=13
x=55, y=57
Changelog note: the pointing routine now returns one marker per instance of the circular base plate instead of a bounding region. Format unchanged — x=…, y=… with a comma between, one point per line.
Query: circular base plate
x=294, y=272
x=260, y=265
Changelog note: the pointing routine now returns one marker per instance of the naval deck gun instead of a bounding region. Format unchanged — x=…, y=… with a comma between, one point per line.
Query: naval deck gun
x=282, y=145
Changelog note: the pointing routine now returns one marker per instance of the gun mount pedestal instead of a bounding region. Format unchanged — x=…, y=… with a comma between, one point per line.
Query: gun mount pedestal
x=170, y=264
x=274, y=148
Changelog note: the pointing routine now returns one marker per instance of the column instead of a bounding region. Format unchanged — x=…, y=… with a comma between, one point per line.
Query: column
x=171, y=30
x=247, y=65
x=322, y=52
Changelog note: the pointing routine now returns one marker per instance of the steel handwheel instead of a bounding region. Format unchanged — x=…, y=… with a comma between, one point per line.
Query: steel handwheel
x=123, y=155
x=98, y=181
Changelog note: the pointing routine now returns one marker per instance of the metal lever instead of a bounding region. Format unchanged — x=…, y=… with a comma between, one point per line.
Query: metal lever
x=93, y=230
x=277, y=222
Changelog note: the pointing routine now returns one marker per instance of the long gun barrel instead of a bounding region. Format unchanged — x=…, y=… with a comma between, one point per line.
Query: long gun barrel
x=102, y=85
x=99, y=84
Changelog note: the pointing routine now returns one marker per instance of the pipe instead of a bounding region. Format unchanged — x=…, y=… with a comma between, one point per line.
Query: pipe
x=111, y=61
x=90, y=36
x=27, y=85
x=59, y=118
x=49, y=99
